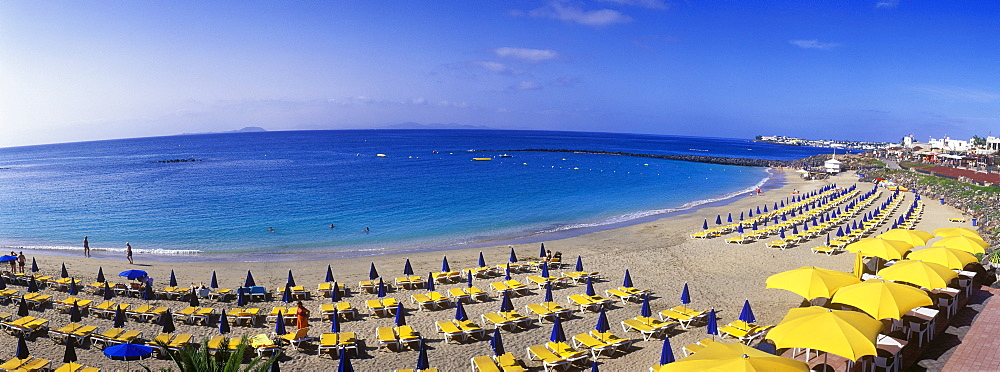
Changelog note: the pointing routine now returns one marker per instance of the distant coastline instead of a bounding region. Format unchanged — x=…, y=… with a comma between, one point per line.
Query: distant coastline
x=743, y=162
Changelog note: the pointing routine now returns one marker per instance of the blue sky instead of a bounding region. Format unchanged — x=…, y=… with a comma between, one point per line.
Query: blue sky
x=872, y=70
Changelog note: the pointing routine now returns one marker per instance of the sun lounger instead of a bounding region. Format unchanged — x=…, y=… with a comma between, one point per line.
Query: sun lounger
x=221, y=294
x=780, y=244
x=8, y=294
x=540, y=282
x=516, y=286
x=376, y=308
x=451, y=331
x=477, y=294
x=484, y=363
x=248, y=316
x=220, y=343
x=625, y=297
x=36, y=364
x=497, y=320
x=826, y=249
x=326, y=288
x=139, y=311
x=622, y=344
x=298, y=338
x=459, y=295
x=471, y=329
x=441, y=300
x=60, y=335
x=596, y=347
x=37, y=301
x=75, y=367
x=29, y=328
x=549, y=359
x=106, y=337
x=296, y=292
x=683, y=315
x=186, y=315
x=64, y=306
x=696, y=347
x=500, y=288
x=520, y=320
x=162, y=338
x=263, y=345
x=582, y=303
x=386, y=338
x=746, y=333
x=423, y=301
x=409, y=282
x=647, y=327
x=105, y=309
x=80, y=334
x=509, y=363
x=407, y=336
x=203, y=315
x=565, y=351
x=739, y=240
x=446, y=277
x=180, y=342
x=126, y=337
x=335, y=341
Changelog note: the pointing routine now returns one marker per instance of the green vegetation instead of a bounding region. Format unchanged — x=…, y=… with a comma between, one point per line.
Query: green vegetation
x=200, y=360
x=915, y=165
x=873, y=162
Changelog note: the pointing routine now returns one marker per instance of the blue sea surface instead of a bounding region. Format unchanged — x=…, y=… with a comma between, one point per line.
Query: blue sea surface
x=426, y=192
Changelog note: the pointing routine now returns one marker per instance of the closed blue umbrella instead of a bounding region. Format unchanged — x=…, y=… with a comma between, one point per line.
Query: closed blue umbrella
x=71, y=290
x=579, y=263
x=372, y=273
x=430, y=282
x=685, y=295
x=167, y=322
x=750, y=213
x=541, y=252
x=590, y=288
x=795, y=229
x=496, y=343
x=557, y=331
x=827, y=239
x=32, y=285
x=34, y=265
x=704, y=225
x=345, y=362
x=513, y=256
x=223, y=324
x=781, y=233
x=718, y=220
x=100, y=275
x=422, y=362
x=249, y=282
x=147, y=293
x=335, y=321
x=108, y=293
x=505, y=304
x=627, y=282
x=840, y=231
x=286, y=296
x=69, y=356
x=758, y=209
x=545, y=270
x=214, y=283
x=741, y=216
x=712, y=327
x=400, y=315
x=746, y=314
x=63, y=273
x=241, y=297
x=173, y=278
x=739, y=229
x=128, y=352
x=729, y=218
x=119, y=317
x=482, y=260
x=291, y=281
x=460, y=314
x=335, y=292
x=468, y=279
x=22, y=308
x=279, y=325
x=132, y=274
x=506, y=271
x=593, y=367
x=22, y=349
x=602, y=322
x=74, y=313
x=381, y=288
x=407, y=269
x=645, y=310
x=329, y=274
x=444, y=264
x=548, y=292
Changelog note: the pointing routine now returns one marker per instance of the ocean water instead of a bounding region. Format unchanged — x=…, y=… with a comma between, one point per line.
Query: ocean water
x=426, y=192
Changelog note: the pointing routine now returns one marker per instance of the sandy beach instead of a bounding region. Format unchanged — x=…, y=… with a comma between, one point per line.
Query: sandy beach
x=659, y=254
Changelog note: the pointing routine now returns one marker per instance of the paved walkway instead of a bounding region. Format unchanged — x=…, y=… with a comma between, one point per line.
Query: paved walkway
x=971, y=341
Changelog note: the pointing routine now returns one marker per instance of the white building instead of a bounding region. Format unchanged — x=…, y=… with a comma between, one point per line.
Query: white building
x=948, y=144
x=832, y=165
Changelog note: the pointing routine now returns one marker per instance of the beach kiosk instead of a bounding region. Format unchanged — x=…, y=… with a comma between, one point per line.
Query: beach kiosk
x=832, y=165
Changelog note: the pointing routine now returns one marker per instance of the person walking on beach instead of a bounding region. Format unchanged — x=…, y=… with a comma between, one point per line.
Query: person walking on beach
x=13, y=263
x=86, y=247
x=128, y=252
x=301, y=316
x=20, y=261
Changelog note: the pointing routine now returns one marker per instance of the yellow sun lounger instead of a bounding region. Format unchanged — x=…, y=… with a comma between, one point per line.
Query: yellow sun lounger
x=459, y=295
x=647, y=327
x=106, y=338
x=596, y=347
x=407, y=336
x=477, y=294
x=298, y=338
x=484, y=363
x=549, y=359
x=682, y=315
x=60, y=335
x=127, y=337
x=386, y=338
x=423, y=301
x=36, y=364
x=219, y=343
x=471, y=329
x=583, y=302
x=451, y=331
x=565, y=351
x=180, y=341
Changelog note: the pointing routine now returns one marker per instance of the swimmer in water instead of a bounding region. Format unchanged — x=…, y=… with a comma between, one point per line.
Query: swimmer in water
x=332, y=226
x=366, y=229
x=270, y=229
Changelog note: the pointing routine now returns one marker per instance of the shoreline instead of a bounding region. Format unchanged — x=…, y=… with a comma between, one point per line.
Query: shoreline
x=774, y=180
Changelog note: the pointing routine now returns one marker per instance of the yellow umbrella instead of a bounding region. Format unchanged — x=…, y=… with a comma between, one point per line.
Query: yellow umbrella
x=924, y=274
x=849, y=334
x=881, y=298
x=882, y=248
x=957, y=231
x=913, y=237
x=949, y=257
x=966, y=243
x=810, y=281
x=733, y=356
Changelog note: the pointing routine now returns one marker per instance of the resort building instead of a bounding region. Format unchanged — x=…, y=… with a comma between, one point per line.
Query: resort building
x=832, y=165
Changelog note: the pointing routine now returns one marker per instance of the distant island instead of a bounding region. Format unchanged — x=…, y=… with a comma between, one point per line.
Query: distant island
x=248, y=129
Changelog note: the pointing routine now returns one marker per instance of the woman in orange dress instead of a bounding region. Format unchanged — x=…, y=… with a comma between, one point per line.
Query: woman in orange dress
x=301, y=316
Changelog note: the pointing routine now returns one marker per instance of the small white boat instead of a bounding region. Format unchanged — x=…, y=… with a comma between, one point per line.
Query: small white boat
x=505, y=156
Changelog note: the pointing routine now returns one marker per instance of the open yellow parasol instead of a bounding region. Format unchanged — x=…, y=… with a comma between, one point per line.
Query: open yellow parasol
x=882, y=248
x=811, y=282
x=849, y=334
x=881, y=298
x=735, y=356
x=925, y=274
x=913, y=237
x=957, y=231
x=951, y=258
x=962, y=242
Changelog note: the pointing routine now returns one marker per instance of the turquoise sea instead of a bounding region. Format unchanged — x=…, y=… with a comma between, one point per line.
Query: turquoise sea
x=427, y=192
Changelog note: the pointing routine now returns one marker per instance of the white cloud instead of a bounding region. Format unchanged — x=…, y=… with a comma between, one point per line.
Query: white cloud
x=813, y=44
x=526, y=54
x=492, y=66
x=526, y=85
x=887, y=4
x=575, y=14
x=651, y=4
x=959, y=93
